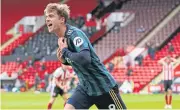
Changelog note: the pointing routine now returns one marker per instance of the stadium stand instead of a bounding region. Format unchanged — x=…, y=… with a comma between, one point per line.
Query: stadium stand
x=142, y=75
x=43, y=43
x=38, y=7
x=8, y=22
x=147, y=15
x=166, y=31
x=35, y=44
x=5, y=38
x=7, y=50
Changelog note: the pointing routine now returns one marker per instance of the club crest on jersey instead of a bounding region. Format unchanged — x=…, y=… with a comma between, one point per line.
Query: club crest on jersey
x=78, y=41
x=69, y=32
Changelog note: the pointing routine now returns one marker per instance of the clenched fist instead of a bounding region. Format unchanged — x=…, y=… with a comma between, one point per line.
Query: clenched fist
x=62, y=44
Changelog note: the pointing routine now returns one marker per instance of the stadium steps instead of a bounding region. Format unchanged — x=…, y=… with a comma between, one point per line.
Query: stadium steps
x=20, y=8
x=159, y=27
x=151, y=34
x=11, y=31
x=8, y=20
x=157, y=79
x=143, y=75
x=6, y=37
x=15, y=43
x=161, y=54
x=74, y=8
x=163, y=22
x=15, y=36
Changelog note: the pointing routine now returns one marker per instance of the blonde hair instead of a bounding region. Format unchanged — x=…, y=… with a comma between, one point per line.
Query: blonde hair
x=62, y=9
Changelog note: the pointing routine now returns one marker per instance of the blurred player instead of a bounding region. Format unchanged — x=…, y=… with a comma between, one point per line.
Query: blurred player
x=57, y=84
x=168, y=72
x=96, y=84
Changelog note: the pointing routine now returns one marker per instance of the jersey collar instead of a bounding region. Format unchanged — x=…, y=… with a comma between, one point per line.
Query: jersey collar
x=67, y=31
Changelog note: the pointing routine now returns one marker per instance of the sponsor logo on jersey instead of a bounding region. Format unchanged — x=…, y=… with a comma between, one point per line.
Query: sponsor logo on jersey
x=68, y=60
x=78, y=41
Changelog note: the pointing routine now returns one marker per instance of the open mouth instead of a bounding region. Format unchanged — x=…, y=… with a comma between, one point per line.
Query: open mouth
x=49, y=25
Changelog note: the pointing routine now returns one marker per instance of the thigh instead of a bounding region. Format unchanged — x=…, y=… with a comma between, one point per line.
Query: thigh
x=110, y=100
x=55, y=91
x=60, y=91
x=79, y=99
x=170, y=84
x=165, y=85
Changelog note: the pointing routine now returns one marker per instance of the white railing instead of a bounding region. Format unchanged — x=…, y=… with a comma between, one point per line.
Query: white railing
x=29, y=24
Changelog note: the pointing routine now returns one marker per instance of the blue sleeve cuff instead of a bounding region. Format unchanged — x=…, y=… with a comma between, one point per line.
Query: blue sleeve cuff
x=64, y=51
x=81, y=58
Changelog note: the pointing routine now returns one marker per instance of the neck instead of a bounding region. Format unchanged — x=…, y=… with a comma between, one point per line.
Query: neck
x=61, y=31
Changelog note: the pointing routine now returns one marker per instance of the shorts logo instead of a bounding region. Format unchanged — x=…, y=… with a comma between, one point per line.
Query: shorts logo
x=111, y=107
x=78, y=41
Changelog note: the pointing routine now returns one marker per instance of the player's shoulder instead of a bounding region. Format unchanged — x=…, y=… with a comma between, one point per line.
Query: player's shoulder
x=57, y=71
x=73, y=32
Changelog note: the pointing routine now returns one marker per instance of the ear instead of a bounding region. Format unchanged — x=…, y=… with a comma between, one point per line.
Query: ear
x=62, y=19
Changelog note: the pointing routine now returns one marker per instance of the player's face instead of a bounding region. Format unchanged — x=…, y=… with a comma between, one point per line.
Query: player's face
x=53, y=21
x=168, y=60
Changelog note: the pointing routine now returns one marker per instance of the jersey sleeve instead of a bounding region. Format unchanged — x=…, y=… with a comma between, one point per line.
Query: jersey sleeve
x=65, y=62
x=79, y=41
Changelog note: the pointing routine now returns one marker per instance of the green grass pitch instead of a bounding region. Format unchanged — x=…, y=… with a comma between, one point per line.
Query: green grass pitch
x=30, y=100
